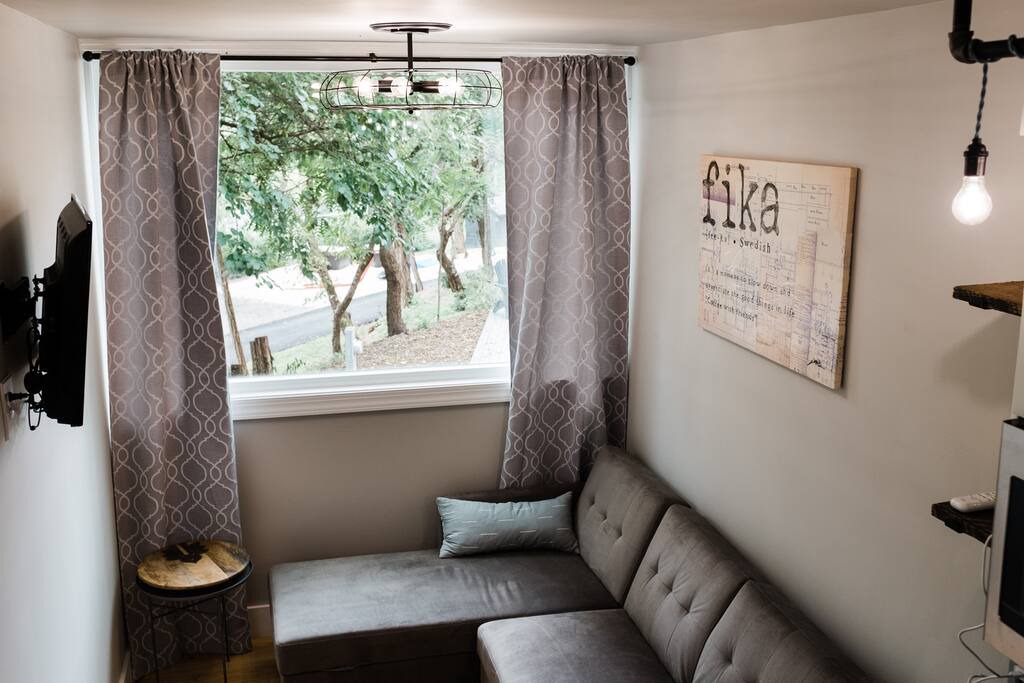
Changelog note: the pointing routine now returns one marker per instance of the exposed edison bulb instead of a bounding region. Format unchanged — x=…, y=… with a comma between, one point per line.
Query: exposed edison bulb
x=365, y=87
x=450, y=86
x=400, y=87
x=972, y=204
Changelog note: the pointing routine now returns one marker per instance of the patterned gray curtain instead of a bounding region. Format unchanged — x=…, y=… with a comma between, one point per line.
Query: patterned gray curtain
x=171, y=436
x=568, y=216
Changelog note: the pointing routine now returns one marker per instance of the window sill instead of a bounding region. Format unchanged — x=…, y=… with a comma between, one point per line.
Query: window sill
x=259, y=398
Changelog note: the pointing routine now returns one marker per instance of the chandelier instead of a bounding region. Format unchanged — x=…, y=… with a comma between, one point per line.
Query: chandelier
x=410, y=88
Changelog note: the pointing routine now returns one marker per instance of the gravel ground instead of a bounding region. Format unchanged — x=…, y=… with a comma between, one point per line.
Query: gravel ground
x=449, y=341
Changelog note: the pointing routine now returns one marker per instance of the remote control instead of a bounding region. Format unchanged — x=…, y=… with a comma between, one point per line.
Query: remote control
x=976, y=502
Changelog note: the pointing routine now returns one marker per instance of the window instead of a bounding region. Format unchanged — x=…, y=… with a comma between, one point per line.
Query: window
x=361, y=256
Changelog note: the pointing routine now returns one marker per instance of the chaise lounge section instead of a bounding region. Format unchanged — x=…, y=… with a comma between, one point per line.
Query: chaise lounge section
x=413, y=616
x=656, y=594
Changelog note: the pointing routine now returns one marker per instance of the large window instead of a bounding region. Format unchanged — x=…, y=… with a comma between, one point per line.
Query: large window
x=355, y=243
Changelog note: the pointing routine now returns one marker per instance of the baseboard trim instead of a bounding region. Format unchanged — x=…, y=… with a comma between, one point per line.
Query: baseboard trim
x=260, y=622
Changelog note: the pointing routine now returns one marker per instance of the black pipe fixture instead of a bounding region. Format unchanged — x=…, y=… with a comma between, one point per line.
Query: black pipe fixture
x=973, y=204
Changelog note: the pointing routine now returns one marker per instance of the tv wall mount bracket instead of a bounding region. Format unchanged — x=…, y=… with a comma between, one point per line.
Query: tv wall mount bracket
x=19, y=304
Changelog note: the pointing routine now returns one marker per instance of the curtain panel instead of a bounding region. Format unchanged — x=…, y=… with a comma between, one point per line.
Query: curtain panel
x=568, y=221
x=171, y=434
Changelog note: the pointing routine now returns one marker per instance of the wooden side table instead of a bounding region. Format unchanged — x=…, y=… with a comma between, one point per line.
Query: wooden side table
x=183, y=576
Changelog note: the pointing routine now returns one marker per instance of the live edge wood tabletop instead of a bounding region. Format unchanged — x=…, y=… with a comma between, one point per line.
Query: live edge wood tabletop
x=192, y=565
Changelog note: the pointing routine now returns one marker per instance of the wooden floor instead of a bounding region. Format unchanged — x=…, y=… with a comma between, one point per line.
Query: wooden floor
x=255, y=667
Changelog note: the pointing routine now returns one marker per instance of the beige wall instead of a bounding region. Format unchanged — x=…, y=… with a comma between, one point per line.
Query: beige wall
x=336, y=485
x=829, y=492
x=60, y=620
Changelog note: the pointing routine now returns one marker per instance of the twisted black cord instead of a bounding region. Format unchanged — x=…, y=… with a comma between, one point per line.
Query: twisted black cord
x=981, y=100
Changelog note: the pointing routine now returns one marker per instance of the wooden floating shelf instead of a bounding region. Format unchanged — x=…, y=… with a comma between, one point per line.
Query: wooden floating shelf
x=975, y=524
x=999, y=296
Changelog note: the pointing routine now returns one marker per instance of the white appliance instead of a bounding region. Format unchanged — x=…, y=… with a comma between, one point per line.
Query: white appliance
x=1004, y=612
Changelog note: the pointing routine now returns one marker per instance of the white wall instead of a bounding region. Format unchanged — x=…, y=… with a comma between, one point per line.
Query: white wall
x=829, y=492
x=60, y=619
x=335, y=485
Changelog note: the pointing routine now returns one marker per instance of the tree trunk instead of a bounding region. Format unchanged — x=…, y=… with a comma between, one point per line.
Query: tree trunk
x=485, y=243
x=236, y=337
x=445, y=233
x=318, y=264
x=392, y=262
x=459, y=238
x=341, y=317
x=262, y=358
x=414, y=271
x=407, y=261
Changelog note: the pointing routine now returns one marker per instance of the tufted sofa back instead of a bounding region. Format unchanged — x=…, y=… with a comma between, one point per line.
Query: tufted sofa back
x=685, y=582
x=616, y=515
x=761, y=637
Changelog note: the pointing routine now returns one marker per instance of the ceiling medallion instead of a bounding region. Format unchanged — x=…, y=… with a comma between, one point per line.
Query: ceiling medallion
x=410, y=88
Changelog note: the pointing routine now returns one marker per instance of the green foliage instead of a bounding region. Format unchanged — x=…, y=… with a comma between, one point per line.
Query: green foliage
x=291, y=170
x=244, y=256
x=479, y=292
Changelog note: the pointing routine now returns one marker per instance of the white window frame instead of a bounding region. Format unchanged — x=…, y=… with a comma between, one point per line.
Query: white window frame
x=258, y=398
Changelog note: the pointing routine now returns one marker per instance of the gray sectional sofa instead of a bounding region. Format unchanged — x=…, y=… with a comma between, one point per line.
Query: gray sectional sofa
x=656, y=594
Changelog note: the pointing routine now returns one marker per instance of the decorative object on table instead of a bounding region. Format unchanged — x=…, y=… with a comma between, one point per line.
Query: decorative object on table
x=183, y=576
x=568, y=221
x=774, y=267
x=170, y=426
x=472, y=526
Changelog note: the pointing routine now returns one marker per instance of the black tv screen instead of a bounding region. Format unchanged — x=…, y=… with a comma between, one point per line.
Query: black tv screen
x=65, y=318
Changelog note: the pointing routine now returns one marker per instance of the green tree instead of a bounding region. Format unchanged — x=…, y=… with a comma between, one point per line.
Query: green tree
x=310, y=181
x=303, y=178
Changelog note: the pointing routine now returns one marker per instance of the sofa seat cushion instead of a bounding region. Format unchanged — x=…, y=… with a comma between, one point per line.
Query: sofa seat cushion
x=351, y=611
x=596, y=647
x=763, y=638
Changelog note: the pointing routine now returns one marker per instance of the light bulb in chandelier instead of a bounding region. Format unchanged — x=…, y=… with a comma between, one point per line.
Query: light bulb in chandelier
x=973, y=204
x=400, y=87
x=365, y=87
x=450, y=86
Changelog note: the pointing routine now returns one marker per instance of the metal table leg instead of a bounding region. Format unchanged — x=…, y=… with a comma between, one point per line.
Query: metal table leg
x=224, y=629
x=152, y=637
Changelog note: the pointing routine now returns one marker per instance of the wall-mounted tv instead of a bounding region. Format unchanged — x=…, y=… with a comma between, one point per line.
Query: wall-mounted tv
x=58, y=305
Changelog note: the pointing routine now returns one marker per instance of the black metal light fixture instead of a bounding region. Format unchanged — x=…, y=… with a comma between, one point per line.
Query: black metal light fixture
x=973, y=204
x=410, y=88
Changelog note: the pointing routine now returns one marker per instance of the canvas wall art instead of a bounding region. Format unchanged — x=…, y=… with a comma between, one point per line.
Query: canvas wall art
x=775, y=242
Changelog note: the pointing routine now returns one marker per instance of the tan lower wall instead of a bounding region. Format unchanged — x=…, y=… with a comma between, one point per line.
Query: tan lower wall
x=328, y=486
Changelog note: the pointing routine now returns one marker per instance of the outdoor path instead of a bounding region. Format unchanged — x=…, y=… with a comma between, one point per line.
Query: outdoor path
x=301, y=328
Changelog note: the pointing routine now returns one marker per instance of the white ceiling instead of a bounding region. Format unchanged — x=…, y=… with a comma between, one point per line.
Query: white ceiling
x=611, y=22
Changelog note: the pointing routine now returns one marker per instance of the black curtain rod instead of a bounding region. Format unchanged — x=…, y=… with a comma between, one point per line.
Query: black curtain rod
x=372, y=58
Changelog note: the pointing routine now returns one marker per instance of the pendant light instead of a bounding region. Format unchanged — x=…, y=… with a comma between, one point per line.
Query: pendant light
x=973, y=204
x=410, y=88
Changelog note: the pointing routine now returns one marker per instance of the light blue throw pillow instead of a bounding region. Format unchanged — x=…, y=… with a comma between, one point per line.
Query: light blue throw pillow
x=472, y=527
